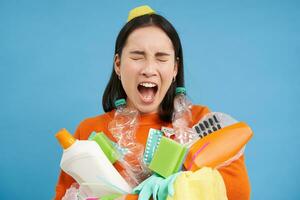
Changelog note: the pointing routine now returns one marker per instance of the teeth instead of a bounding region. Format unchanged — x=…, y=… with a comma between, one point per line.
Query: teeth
x=148, y=84
x=148, y=97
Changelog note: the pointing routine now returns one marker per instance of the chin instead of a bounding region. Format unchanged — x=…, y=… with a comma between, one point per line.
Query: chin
x=148, y=109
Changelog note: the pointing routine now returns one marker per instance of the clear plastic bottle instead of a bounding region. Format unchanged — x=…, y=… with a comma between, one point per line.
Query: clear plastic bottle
x=182, y=118
x=123, y=128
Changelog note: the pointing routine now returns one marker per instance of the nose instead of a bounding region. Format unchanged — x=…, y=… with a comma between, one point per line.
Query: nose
x=149, y=69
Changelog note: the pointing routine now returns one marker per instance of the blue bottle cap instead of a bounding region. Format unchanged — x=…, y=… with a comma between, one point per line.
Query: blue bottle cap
x=180, y=90
x=120, y=102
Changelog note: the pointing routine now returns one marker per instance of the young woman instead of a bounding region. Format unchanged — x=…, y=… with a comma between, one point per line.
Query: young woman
x=147, y=68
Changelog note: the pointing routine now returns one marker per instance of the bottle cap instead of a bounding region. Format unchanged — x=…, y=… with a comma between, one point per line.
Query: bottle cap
x=120, y=102
x=180, y=90
x=65, y=138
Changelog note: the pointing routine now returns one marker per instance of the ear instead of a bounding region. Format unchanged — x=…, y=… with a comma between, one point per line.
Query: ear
x=176, y=67
x=117, y=64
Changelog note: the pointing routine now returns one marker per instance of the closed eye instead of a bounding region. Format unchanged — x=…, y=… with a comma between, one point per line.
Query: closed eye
x=162, y=60
x=137, y=58
x=162, y=57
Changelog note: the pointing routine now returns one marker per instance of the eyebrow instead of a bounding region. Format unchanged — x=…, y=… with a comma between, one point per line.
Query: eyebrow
x=158, y=54
x=137, y=52
x=162, y=54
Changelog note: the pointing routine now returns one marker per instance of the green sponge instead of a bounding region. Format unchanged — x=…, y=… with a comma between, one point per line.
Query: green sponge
x=168, y=157
x=106, y=146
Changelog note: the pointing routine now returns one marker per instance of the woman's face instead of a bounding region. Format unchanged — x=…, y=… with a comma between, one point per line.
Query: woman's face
x=146, y=68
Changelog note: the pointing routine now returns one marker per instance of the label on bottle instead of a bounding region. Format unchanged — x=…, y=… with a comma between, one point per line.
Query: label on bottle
x=168, y=132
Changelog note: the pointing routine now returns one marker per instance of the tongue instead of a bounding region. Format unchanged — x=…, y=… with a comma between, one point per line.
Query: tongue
x=147, y=94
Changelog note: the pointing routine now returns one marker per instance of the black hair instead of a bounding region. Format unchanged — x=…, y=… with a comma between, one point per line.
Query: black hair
x=114, y=89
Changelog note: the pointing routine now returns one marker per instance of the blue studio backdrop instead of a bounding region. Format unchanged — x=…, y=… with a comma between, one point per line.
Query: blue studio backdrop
x=241, y=58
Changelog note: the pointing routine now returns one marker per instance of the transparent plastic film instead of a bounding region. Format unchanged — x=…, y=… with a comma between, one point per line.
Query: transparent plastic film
x=212, y=122
x=221, y=141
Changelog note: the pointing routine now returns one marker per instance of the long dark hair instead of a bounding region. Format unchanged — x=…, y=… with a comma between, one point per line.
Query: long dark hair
x=114, y=89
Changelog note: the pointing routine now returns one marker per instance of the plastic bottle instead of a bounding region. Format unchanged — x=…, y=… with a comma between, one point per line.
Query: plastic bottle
x=87, y=164
x=182, y=117
x=123, y=128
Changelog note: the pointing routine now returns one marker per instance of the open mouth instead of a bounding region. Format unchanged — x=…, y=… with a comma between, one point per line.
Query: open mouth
x=147, y=91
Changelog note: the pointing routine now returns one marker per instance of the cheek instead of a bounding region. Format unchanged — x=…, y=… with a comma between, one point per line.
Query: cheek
x=129, y=72
x=129, y=68
x=166, y=78
x=167, y=73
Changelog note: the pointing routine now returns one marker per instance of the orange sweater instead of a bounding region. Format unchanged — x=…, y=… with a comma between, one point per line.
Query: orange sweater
x=235, y=175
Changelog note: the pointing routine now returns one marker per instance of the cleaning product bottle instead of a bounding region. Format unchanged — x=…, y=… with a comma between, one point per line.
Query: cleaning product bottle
x=123, y=128
x=87, y=164
x=182, y=117
x=114, y=153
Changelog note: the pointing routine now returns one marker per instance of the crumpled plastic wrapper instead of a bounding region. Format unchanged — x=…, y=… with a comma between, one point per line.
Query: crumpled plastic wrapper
x=77, y=192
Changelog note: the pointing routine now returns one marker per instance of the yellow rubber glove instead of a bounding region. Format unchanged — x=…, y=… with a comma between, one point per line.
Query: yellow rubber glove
x=203, y=184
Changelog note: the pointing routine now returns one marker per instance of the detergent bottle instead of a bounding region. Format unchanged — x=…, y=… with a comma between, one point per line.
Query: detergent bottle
x=87, y=164
x=123, y=128
x=182, y=117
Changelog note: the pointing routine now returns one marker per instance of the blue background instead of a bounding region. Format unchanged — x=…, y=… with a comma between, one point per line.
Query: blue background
x=241, y=58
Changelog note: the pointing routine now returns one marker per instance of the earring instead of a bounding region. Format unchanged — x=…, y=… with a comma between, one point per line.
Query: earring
x=119, y=77
x=173, y=79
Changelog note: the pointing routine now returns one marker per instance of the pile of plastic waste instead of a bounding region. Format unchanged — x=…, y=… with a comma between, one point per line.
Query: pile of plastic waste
x=159, y=169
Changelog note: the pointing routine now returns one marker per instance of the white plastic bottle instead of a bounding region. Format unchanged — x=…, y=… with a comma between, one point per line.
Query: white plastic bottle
x=87, y=164
x=182, y=117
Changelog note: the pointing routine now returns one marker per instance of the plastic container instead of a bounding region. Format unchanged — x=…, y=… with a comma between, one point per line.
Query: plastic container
x=182, y=117
x=123, y=128
x=87, y=164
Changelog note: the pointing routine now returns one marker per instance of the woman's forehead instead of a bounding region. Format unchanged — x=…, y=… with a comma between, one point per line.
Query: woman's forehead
x=151, y=37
